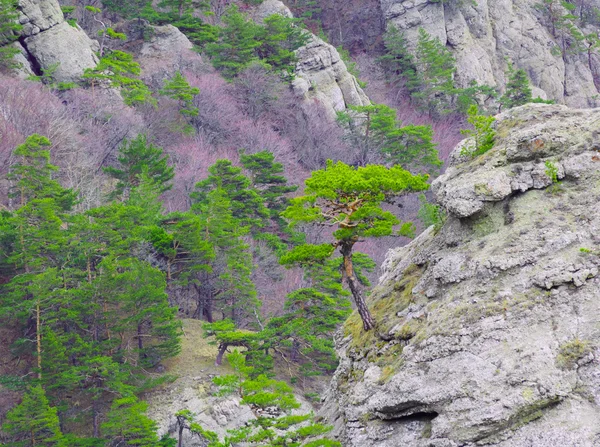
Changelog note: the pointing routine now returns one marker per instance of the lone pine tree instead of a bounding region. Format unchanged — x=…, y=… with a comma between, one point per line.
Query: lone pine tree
x=350, y=200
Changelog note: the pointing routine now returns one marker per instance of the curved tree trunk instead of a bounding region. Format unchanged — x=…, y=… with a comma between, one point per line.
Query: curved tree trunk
x=361, y=305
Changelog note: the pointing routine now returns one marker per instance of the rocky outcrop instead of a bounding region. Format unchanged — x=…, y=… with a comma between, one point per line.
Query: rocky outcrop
x=321, y=74
x=50, y=42
x=491, y=322
x=64, y=46
x=483, y=34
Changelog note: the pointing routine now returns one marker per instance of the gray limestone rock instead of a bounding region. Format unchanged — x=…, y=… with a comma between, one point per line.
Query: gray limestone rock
x=39, y=15
x=65, y=45
x=321, y=74
x=482, y=34
x=48, y=41
x=491, y=323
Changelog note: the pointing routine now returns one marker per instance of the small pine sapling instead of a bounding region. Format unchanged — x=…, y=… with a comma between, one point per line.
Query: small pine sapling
x=179, y=89
x=482, y=136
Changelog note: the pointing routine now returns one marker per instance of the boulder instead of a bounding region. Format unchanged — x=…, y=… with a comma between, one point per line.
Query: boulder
x=39, y=15
x=65, y=45
x=322, y=75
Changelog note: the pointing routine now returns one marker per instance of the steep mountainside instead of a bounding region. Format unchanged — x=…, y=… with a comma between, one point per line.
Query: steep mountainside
x=492, y=322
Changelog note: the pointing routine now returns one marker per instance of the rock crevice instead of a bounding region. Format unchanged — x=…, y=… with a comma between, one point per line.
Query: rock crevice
x=49, y=42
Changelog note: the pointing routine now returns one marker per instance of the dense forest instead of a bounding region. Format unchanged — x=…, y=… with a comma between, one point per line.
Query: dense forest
x=138, y=195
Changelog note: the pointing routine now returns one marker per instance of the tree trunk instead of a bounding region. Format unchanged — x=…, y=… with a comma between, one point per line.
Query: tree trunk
x=361, y=305
x=38, y=339
x=96, y=420
x=219, y=359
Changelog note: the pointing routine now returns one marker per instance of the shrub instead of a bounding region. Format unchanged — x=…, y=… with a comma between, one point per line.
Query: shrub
x=482, y=135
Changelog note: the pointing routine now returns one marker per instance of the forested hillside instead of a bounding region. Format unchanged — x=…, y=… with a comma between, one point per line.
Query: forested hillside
x=245, y=164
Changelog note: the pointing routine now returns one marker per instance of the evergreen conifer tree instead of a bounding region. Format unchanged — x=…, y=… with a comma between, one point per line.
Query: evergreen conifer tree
x=119, y=70
x=398, y=62
x=350, y=199
x=265, y=176
x=128, y=425
x=518, y=91
x=376, y=134
x=246, y=204
x=179, y=89
x=137, y=157
x=9, y=27
x=436, y=67
x=236, y=47
x=279, y=38
x=34, y=422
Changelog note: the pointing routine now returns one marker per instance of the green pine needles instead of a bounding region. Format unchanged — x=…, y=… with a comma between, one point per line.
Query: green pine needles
x=260, y=393
x=482, y=136
x=242, y=42
x=9, y=29
x=179, y=89
x=117, y=69
x=350, y=200
x=377, y=135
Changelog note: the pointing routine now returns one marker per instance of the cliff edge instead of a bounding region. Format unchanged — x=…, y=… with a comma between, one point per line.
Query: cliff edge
x=493, y=320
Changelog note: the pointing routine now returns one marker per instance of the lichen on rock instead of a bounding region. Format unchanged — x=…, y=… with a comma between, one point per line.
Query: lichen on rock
x=497, y=342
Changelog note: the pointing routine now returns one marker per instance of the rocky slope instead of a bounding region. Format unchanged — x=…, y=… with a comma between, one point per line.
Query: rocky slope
x=47, y=40
x=483, y=34
x=493, y=320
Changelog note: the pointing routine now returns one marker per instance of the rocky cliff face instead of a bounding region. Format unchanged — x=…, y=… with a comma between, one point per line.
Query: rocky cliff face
x=321, y=74
x=47, y=41
x=492, y=321
x=482, y=34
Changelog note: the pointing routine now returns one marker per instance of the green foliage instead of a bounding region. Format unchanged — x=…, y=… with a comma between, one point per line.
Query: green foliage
x=9, y=29
x=436, y=67
x=518, y=91
x=128, y=9
x=265, y=177
x=137, y=157
x=482, y=136
x=34, y=421
x=551, y=171
x=375, y=132
x=47, y=78
x=279, y=38
x=246, y=203
x=180, y=90
x=118, y=70
x=31, y=174
x=398, y=62
x=430, y=214
x=237, y=44
x=242, y=42
x=127, y=424
x=100, y=314
x=261, y=392
x=571, y=352
x=350, y=200
x=428, y=76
